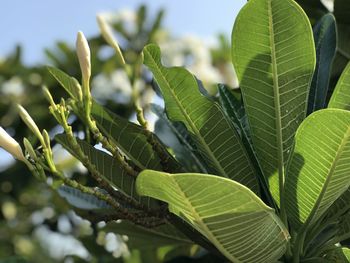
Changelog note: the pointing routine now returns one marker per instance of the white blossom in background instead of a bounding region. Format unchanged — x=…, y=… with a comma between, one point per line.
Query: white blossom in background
x=329, y=4
x=125, y=16
x=66, y=162
x=60, y=245
x=14, y=86
x=115, y=86
x=194, y=53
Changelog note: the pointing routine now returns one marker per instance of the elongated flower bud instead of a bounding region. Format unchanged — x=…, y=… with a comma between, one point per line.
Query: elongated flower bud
x=30, y=123
x=29, y=148
x=108, y=36
x=11, y=145
x=48, y=96
x=83, y=52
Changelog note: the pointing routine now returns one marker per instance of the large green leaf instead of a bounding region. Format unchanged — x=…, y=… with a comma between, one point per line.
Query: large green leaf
x=274, y=56
x=341, y=95
x=215, y=137
x=134, y=141
x=319, y=170
x=232, y=104
x=326, y=43
x=229, y=214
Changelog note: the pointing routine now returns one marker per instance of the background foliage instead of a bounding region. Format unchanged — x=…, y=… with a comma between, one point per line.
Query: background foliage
x=30, y=212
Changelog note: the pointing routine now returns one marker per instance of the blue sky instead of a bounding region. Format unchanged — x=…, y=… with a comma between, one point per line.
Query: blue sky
x=38, y=23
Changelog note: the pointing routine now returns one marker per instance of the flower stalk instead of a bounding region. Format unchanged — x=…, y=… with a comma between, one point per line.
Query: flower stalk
x=27, y=119
x=108, y=36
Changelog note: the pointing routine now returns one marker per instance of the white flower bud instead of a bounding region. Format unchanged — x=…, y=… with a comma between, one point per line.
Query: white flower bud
x=83, y=52
x=30, y=123
x=11, y=145
x=48, y=96
x=108, y=36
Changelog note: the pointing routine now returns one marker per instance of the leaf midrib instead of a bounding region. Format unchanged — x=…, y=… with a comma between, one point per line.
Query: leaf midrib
x=329, y=177
x=277, y=103
x=196, y=215
x=189, y=120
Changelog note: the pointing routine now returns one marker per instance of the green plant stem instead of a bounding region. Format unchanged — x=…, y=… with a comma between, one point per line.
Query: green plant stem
x=98, y=177
x=149, y=222
x=95, y=174
x=87, y=102
x=298, y=245
x=123, y=213
x=106, y=144
x=159, y=149
x=140, y=114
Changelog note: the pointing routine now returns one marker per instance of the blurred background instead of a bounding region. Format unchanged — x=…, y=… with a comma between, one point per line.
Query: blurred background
x=36, y=224
x=36, y=24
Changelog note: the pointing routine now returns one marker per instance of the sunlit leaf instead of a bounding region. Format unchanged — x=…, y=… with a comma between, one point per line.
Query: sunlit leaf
x=274, y=57
x=134, y=141
x=215, y=137
x=216, y=207
x=341, y=95
x=319, y=170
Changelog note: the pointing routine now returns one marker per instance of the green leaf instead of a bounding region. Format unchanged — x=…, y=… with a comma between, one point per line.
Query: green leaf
x=147, y=238
x=339, y=207
x=134, y=141
x=106, y=165
x=81, y=200
x=215, y=137
x=341, y=95
x=274, y=57
x=229, y=214
x=343, y=227
x=103, y=162
x=232, y=104
x=319, y=170
x=70, y=84
x=326, y=43
x=176, y=136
